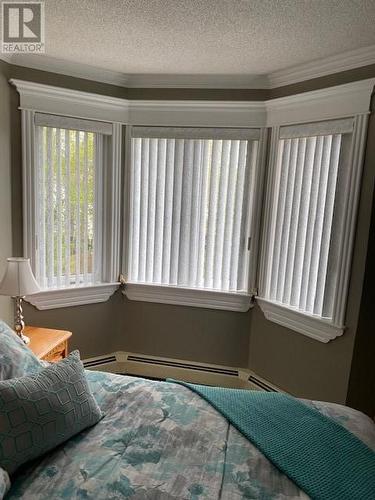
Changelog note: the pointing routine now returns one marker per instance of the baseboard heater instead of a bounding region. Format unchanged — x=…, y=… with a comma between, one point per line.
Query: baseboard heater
x=106, y=363
x=154, y=367
x=177, y=364
x=259, y=384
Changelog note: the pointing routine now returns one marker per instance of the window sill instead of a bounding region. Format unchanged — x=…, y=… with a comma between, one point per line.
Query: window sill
x=311, y=326
x=209, y=299
x=68, y=297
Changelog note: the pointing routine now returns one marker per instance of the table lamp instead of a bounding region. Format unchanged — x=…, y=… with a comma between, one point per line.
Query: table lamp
x=17, y=282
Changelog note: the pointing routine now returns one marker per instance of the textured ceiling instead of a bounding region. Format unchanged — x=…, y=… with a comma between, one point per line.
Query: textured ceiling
x=205, y=36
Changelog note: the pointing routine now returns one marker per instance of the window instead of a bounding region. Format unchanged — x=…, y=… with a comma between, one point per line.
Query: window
x=72, y=177
x=69, y=170
x=192, y=194
x=306, y=237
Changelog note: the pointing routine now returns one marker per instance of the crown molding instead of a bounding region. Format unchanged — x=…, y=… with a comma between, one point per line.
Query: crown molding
x=334, y=64
x=68, y=68
x=6, y=58
x=334, y=102
x=321, y=67
x=87, y=72
x=325, y=104
x=67, y=102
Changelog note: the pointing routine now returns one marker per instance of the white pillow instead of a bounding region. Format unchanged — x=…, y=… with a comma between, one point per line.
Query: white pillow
x=4, y=483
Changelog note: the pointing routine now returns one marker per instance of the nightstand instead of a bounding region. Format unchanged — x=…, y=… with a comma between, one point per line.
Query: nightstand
x=47, y=344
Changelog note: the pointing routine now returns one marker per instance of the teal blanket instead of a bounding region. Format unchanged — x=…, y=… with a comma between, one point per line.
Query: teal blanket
x=324, y=459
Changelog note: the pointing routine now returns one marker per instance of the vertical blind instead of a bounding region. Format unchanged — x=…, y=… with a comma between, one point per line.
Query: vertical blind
x=189, y=213
x=299, y=261
x=66, y=212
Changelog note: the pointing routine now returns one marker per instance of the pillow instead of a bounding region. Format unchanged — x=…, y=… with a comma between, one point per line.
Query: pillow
x=16, y=359
x=4, y=483
x=41, y=411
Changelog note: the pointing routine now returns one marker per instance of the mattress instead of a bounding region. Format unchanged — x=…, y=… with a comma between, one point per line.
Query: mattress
x=160, y=440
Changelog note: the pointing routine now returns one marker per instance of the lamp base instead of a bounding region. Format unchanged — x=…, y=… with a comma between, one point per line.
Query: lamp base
x=19, y=324
x=25, y=339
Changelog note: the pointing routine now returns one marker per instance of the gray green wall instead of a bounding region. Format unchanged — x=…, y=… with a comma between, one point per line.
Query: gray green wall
x=300, y=365
x=361, y=393
x=5, y=185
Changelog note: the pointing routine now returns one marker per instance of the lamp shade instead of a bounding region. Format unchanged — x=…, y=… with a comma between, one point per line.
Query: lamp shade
x=18, y=279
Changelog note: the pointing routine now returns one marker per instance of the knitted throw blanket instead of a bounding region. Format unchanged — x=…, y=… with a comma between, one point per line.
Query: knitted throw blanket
x=323, y=458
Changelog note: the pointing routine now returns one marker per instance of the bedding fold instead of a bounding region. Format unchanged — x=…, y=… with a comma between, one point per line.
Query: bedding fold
x=322, y=457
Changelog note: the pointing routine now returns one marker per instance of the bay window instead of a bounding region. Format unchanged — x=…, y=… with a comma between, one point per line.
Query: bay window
x=198, y=226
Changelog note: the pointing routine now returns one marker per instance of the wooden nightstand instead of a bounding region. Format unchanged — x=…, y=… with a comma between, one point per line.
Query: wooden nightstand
x=47, y=344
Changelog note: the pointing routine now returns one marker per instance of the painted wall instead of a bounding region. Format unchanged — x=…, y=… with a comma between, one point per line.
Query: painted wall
x=204, y=335
x=6, y=312
x=300, y=365
x=361, y=393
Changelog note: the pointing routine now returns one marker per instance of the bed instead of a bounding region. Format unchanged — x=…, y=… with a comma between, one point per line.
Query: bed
x=160, y=440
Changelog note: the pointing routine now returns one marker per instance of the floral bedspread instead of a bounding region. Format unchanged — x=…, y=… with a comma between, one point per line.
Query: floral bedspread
x=159, y=440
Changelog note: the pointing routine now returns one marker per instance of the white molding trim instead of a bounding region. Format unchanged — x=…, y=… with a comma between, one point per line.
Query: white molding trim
x=311, y=326
x=6, y=58
x=344, y=61
x=112, y=208
x=137, y=80
x=67, y=68
x=326, y=104
x=68, y=297
x=321, y=67
x=350, y=209
x=256, y=204
x=209, y=299
x=28, y=183
x=66, y=102
x=197, y=113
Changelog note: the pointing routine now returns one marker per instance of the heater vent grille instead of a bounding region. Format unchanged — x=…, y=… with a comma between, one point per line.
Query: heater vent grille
x=187, y=366
x=99, y=361
x=261, y=384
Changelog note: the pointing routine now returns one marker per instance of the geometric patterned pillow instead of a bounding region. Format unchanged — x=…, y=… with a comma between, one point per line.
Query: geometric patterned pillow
x=41, y=411
x=16, y=359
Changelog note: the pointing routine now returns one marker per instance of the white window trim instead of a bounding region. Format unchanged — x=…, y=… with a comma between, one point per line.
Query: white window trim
x=193, y=297
x=310, y=325
x=74, y=296
x=93, y=293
